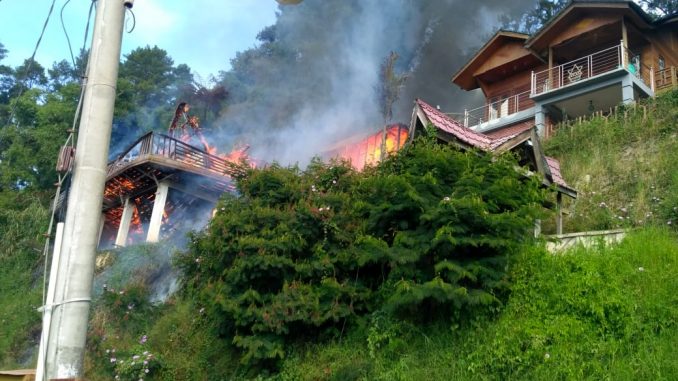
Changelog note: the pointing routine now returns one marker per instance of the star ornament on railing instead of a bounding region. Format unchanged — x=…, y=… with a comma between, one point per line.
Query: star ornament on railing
x=574, y=74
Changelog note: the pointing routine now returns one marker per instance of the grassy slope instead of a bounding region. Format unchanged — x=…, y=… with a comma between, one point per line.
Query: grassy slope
x=623, y=166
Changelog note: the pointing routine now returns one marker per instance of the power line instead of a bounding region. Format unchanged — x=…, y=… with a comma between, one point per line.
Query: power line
x=63, y=26
x=30, y=63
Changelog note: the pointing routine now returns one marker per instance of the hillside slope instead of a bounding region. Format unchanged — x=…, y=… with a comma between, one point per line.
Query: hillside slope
x=602, y=313
x=623, y=165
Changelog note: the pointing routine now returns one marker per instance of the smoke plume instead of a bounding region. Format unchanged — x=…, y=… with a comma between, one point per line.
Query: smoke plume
x=311, y=81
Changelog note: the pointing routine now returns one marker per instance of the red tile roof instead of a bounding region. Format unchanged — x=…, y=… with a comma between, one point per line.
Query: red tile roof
x=453, y=127
x=554, y=166
x=510, y=131
x=464, y=134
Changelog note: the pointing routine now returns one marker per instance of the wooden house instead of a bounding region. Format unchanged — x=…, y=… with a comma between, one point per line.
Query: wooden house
x=520, y=139
x=592, y=56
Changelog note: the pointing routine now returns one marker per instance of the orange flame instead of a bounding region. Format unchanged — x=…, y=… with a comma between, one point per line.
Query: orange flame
x=368, y=151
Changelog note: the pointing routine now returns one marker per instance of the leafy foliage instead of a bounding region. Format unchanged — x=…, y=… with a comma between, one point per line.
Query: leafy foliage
x=425, y=235
x=606, y=312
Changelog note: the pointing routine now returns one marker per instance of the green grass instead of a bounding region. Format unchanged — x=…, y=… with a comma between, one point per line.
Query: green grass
x=624, y=167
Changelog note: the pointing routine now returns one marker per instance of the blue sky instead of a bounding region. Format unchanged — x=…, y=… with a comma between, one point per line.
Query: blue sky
x=205, y=34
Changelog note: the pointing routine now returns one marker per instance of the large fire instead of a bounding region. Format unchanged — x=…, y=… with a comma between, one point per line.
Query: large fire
x=189, y=145
x=368, y=151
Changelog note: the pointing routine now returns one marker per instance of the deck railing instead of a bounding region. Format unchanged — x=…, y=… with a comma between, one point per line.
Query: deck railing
x=174, y=149
x=575, y=71
x=590, y=66
x=506, y=106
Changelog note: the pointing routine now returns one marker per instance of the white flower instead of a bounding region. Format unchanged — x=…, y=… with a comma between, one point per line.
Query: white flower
x=446, y=199
x=547, y=356
x=641, y=269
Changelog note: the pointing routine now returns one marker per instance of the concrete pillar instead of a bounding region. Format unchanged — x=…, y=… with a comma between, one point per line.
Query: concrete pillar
x=627, y=89
x=158, y=211
x=540, y=119
x=67, y=334
x=125, y=222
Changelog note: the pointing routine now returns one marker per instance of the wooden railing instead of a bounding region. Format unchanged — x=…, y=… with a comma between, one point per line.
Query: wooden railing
x=666, y=79
x=174, y=149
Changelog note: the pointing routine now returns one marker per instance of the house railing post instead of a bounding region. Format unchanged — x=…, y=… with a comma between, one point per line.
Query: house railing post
x=533, y=87
x=465, y=117
x=622, y=54
x=652, y=84
x=674, y=78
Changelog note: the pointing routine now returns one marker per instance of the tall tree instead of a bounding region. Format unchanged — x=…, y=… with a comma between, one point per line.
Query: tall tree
x=150, y=71
x=390, y=84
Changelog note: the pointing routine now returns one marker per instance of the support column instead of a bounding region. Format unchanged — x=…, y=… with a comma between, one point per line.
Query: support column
x=125, y=222
x=540, y=119
x=627, y=89
x=559, y=212
x=158, y=211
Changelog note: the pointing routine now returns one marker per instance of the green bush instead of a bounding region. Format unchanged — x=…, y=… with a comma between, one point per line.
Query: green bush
x=427, y=234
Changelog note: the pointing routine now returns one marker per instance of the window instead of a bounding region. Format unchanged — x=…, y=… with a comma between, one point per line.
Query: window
x=661, y=63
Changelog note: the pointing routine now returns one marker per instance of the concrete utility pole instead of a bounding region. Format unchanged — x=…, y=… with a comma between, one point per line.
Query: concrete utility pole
x=65, y=341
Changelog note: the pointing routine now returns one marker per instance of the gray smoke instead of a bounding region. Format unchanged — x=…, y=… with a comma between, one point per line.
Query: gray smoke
x=313, y=85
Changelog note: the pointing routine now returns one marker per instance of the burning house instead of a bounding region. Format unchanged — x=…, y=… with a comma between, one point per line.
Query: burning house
x=160, y=185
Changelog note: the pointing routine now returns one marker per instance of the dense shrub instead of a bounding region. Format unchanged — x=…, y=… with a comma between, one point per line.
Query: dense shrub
x=300, y=253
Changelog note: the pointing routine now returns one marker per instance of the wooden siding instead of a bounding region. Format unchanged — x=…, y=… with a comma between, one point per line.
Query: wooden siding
x=509, y=52
x=583, y=26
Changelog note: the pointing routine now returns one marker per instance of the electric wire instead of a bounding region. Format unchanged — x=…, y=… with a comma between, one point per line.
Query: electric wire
x=134, y=20
x=30, y=62
x=63, y=26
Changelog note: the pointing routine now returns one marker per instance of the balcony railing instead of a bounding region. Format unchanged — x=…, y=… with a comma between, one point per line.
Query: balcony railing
x=493, y=111
x=591, y=66
x=666, y=79
x=174, y=149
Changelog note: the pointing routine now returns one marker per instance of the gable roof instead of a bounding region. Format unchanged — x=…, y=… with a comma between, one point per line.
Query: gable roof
x=630, y=9
x=464, y=135
x=501, y=142
x=464, y=78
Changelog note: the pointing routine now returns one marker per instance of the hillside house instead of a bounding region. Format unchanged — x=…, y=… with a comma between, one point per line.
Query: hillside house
x=590, y=57
x=522, y=140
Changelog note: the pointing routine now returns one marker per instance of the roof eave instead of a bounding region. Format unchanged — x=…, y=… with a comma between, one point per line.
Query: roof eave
x=469, y=64
x=627, y=4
